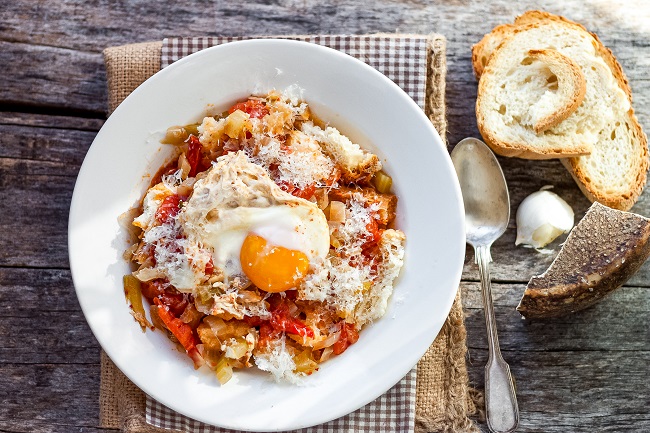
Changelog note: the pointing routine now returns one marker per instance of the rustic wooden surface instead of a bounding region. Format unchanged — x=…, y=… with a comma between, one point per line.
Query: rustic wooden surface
x=583, y=373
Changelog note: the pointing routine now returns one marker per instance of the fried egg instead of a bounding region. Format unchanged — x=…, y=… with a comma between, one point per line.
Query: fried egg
x=254, y=229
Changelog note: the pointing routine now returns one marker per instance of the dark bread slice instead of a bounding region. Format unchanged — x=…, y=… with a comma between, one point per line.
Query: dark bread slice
x=601, y=253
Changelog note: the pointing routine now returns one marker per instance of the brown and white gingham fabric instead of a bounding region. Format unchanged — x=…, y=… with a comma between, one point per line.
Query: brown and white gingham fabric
x=402, y=59
x=394, y=411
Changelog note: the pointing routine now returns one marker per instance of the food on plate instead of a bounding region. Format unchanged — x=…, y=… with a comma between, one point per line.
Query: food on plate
x=530, y=105
x=601, y=253
x=541, y=218
x=267, y=242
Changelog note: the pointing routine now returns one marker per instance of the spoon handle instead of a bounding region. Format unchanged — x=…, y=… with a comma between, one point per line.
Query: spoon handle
x=500, y=398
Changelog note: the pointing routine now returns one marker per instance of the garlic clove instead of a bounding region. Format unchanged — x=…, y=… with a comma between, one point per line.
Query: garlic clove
x=541, y=218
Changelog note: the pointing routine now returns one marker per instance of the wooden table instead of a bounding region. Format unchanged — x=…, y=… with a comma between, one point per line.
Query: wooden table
x=588, y=372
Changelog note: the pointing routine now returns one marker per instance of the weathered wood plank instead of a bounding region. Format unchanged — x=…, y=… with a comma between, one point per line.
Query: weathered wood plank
x=581, y=392
x=50, y=397
x=580, y=373
x=50, y=121
x=51, y=77
x=607, y=326
x=42, y=322
x=89, y=33
x=46, y=144
x=36, y=199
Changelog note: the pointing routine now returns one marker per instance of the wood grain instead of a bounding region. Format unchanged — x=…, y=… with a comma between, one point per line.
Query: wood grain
x=583, y=373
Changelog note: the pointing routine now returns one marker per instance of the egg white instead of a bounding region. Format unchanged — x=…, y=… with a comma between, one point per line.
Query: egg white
x=237, y=198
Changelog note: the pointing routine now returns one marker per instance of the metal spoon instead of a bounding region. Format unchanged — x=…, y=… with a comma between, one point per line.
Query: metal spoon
x=487, y=211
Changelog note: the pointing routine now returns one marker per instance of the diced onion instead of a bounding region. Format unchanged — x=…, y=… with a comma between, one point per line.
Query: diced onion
x=330, y=340
x=327, y=353
x=236, y=124
x=184, y=166
x=305, y=362
x=148, y=274
x=337, y=212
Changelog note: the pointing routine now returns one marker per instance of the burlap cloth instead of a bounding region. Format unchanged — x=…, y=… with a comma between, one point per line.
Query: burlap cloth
x=444, y=398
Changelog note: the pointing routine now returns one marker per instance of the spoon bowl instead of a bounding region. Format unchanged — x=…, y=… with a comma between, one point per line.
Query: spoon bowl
x=485, y=194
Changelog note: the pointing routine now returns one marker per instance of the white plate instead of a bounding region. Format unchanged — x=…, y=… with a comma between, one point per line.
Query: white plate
x=363, y=104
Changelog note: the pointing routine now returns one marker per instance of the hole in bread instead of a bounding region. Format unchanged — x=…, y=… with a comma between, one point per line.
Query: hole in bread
x=552, y=82
x=503, y=86
x=527, y=61
x=613, y=136
x=593, y=68
x=527, y=80
x=484, y=60
x=502, y=109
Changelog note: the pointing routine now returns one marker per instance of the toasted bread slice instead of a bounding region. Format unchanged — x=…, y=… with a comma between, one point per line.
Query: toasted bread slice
x=356, y=164
x=386, y=203
x=615, y=172
x=515, y=88
x=601, y=253
x=482, y=51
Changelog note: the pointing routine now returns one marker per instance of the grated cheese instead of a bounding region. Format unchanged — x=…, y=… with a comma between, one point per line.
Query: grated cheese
x=277, y=360
x=336, y=281
x=301, y=163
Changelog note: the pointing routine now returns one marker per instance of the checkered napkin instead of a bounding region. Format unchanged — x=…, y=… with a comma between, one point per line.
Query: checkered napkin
x=403, y=60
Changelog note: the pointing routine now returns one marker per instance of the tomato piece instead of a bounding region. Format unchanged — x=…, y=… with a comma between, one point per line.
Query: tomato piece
x=281, y=320
x=209, y=267
x=267, y=333
x=253, y=107
x=193, y=155
x=161, y=290
x=374, y=236
x=334, y=177
x=152, y=289
x=182, y=331
x=349, y=336
x=305, y=192
x=168, y=209
x=174, y=299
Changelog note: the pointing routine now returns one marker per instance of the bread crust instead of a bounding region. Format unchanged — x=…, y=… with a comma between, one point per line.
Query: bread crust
x=493, y=39
x=625, y=200
x=569, y=75
x=482, y=50
x=601, y=253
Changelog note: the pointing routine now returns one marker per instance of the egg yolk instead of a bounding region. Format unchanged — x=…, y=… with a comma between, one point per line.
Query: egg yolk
x=272, y=268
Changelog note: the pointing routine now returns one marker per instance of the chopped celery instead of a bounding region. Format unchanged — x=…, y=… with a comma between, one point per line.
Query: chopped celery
x=382, y=182
x=133, y=294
